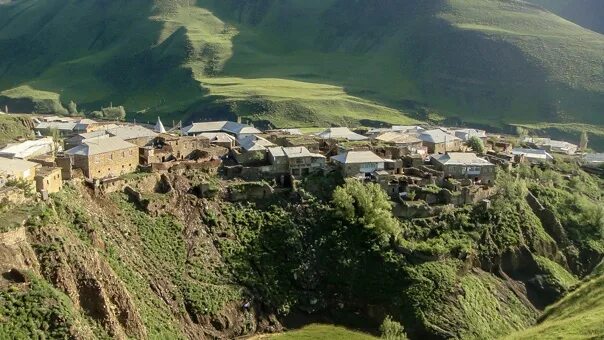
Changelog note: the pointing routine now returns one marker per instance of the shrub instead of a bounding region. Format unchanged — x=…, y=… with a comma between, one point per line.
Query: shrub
x=392, y=330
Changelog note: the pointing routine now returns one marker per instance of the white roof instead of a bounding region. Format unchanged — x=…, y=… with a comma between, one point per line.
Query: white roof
x=594, y=158
x=437, y=136
x=532, y=153
x=461, y=158
x=15, y=166
x=224, y=126
x=29, y=148
x=341, y=133
x=219, y=137
x=397, y=128
x=277, y=151
x=356, y=157
x=159, y=126
x=96, y=146
x=63, y=126
x=82, y=124
x=131, y=132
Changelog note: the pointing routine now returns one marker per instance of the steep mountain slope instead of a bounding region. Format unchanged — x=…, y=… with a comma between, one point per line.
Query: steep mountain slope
x=309, y=62
x=578, y=315
x=587, y=13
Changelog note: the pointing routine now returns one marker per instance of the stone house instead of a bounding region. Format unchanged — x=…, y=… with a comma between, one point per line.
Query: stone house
x=439, y=141
x=49, y=180
x=297, y=160
x=533, y=156
x=253, y=151
x=358, y=163
x=105, y=157
x=165, y=148
x=461, y=165
x=221, y=139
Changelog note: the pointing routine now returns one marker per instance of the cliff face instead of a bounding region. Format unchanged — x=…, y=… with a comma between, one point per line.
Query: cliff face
x=156, y=257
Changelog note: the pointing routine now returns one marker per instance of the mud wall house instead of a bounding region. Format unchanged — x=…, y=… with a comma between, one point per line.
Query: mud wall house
x=49, y=179
x=462, y=165
x=358, y=163
x=105, y=157
x=166, y=147
x=438, y=141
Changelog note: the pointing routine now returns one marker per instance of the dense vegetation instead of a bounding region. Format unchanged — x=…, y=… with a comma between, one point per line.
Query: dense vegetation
x=304, y=62
x=187, y=265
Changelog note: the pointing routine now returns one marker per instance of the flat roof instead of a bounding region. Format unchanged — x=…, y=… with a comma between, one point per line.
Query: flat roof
x=11, y=166
x=461, y=158
x=355, y=157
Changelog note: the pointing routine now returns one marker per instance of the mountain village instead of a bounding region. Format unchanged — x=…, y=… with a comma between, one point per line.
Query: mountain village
x=422, y=168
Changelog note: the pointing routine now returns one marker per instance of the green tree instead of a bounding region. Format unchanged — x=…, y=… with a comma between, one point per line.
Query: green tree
x=367, y=205
x=476, y=145
x=72, y=108
x=392, y=330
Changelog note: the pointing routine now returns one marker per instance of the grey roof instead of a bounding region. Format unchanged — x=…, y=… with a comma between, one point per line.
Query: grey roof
x=594, y=158
x=299, y=151
x=437, y=136
x=62, y=126
x=99, y=145
x=223, y=126
x=82, y=124
x=131, y=132
x=356, y=157
x=277, y=151
x=254, y=143
x=341, y=133
x=466, y=134
x=13, y=166
x=461, y=158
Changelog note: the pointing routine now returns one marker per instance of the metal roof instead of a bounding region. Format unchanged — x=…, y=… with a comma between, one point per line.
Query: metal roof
x=28, y=148
x=131, y=132
x=341, y=133
x=437, y=136
x=355, y=157
x=461, y=158
x=99, y=146
x=223, y=126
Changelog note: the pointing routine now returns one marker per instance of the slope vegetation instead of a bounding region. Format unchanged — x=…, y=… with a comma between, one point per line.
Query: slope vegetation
x=309, y=62
x=587, y=13
x=578, y=315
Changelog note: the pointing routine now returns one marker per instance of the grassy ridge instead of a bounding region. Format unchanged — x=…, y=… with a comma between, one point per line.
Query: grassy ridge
x=306, y=62
x=320, y=332
x=579, y=315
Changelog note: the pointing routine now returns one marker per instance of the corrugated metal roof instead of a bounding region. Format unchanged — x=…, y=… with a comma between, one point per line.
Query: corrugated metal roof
x=341, y=133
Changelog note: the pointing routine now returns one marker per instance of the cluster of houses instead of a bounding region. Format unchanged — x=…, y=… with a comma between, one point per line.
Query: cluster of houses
x=398, y=157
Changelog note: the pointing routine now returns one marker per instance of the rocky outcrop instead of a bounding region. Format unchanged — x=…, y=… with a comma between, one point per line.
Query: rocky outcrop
x=16, y=255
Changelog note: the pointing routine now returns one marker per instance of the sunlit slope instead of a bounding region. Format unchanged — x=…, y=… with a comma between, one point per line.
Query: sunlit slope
x=587, y=13
x=579, y=315
x=309, y=62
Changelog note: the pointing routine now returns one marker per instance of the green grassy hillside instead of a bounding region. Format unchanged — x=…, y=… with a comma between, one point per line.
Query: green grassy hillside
x=579, y=315
x=587, y=13
x=308, y=62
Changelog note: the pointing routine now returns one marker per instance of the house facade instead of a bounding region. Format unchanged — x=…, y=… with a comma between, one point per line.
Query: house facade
x=358, y=163
x=106, y=157
x=465, y=165
x=439, y=141
x=49, y=180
